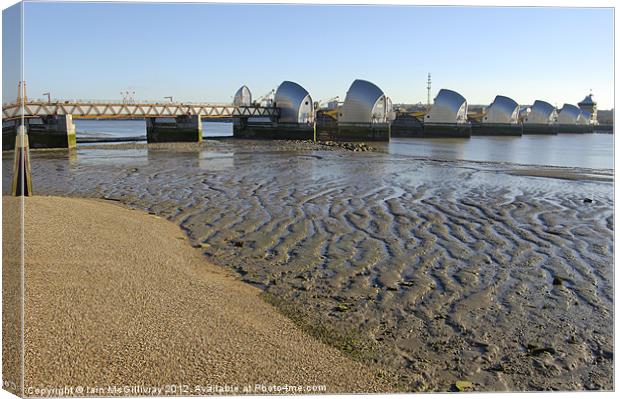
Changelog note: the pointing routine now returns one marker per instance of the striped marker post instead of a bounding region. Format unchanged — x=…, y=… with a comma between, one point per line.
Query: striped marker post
x=22, y=178
x=314, y=128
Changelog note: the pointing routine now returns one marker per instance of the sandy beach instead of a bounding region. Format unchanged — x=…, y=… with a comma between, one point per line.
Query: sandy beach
x=117, y=297
x=436, y=270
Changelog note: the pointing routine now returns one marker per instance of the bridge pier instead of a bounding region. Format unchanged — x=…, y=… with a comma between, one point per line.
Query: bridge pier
x=540, y=128
x=54, y=131
x=185, y=128
x=265, y=129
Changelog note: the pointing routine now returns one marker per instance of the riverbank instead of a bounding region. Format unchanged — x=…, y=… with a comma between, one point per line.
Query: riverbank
x=489, y=272
x=118, y=296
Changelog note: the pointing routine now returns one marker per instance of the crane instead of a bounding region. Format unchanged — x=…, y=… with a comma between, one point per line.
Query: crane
x=265, y=98
x=128, y=96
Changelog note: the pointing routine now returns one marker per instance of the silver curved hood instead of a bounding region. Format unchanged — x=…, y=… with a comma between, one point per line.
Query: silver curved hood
x=294, y=102
x=448, y=107
x=524, y=111
x=390, y=114
x=541, y=113
x=365, y=102
x=569, y=114
x=243, y=96
x=584, y=118
x=502, y=110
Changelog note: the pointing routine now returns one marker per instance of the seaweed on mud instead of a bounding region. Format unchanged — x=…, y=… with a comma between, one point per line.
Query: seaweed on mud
x=352, y=344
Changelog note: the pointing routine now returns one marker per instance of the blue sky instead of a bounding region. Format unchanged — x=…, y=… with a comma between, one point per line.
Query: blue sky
x=202, y=52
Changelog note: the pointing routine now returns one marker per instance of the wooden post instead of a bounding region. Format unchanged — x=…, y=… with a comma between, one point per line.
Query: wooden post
x=314, y=128
x=22, y=178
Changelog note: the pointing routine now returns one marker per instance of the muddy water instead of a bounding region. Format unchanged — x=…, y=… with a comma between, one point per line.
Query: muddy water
x=491, y=273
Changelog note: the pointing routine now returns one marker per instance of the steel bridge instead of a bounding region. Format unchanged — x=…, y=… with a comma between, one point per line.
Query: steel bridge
x=122, y=110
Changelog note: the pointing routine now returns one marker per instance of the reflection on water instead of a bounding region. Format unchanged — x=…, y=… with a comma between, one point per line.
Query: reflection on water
x=229, y=158
x=214, y=129
x=571, y=150
x=129, y=157
x=109, y=128
x=133, y=128
x=213, y=161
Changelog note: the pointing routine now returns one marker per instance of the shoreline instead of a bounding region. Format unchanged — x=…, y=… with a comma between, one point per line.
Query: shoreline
x=123, y=297
x=516, y=168
x=449, y=269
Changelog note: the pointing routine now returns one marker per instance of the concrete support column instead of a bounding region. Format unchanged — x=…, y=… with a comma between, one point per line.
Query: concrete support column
x=274, y=130
x=185, y=128
x=54, y=131
x=362, y=132
x=9, y=133
x=239, y=126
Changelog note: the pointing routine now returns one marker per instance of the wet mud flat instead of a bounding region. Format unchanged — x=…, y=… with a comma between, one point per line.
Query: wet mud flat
x=493, y=274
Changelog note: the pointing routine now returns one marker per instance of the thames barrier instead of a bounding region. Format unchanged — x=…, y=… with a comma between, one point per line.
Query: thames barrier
x=289, y=112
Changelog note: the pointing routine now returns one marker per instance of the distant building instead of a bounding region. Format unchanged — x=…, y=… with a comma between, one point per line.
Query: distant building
x=333, y=104
x=606, y=117
x=419, y=107
x=589, y=105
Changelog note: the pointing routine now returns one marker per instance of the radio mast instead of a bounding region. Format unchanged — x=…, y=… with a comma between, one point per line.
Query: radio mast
x=428, y=92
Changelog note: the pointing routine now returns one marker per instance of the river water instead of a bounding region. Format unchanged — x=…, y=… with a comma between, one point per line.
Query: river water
x=88, y=128
x=570, y=150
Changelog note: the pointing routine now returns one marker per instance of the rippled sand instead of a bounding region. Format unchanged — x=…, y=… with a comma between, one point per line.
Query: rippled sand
x=442, y=271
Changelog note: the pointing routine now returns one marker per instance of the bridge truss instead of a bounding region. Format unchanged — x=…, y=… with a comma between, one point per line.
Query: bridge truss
x=92, y=110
